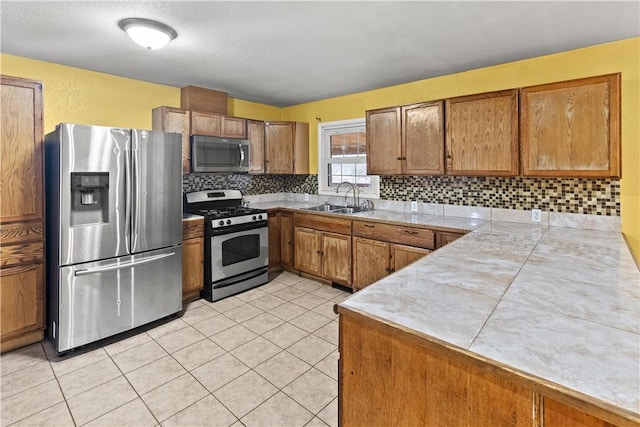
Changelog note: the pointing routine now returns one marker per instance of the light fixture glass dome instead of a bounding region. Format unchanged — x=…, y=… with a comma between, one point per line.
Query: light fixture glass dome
x=148, y=33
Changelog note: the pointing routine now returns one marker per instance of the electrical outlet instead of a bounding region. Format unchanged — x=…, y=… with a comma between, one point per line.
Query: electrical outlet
x=414, y=206
x=536, y=215
x=306, y=197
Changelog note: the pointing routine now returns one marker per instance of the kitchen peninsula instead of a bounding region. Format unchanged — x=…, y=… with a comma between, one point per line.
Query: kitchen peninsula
x=513, y=324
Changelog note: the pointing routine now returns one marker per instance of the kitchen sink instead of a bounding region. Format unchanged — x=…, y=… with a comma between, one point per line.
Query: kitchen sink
x=336, y=209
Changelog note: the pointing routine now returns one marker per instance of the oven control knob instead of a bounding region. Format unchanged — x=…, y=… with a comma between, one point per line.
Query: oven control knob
x=221, y=222
x=259, y=216
x=253, y=217
x=228, y=222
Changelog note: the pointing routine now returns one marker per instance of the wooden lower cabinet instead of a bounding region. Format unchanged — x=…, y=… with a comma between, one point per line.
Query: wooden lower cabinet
x=446, y=237
x=22, y=305
x=375, y=259
x=274, y=240
x=392, y=377
x=323, y=254
x=286, y=240
x=192, y=259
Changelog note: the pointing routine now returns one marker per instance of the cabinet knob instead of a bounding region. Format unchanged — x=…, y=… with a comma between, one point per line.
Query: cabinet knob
x=410, y=232
x=369, y=226
x=398, y=158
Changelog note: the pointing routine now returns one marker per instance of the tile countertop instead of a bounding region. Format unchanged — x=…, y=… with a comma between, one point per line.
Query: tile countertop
x=561, y=304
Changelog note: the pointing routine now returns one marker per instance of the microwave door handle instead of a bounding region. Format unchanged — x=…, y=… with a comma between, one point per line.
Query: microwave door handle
x=241, y=155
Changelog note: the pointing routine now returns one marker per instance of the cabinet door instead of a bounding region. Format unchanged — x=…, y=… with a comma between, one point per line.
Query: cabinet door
x=307, y=246
x=21, y=150
x=22, y=299
x=205, y=123
x=572, y=128
x=423, y=139
x=192, y=266
x=255, y=133
x=286, y=240
x=169, y=119
x=482, y=134
x=336, y=258
x=402, y=255
x=279, y=147
x=370, y=261
x=384, y=148
x=274, y=240
x=445, y=238
x=233, y=127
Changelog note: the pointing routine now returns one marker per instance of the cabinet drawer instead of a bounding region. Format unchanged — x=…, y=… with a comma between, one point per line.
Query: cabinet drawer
x=412, y=236
x=21, y=232
x=323, y=223
x=192, y=228
x=24, y=253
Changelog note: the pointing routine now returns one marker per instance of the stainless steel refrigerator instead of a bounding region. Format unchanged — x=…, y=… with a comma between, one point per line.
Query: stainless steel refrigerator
x=114, y=231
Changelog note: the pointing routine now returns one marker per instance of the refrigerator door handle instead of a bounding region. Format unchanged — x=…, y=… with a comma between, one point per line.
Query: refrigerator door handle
x=112, y=267
x=135, y=186
x=127, y=201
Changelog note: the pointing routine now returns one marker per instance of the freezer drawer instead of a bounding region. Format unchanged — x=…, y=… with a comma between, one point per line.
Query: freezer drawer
x=100, y=299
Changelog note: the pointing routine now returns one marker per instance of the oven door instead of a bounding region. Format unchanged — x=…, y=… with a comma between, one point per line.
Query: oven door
x=239, y=252
x=213, y=154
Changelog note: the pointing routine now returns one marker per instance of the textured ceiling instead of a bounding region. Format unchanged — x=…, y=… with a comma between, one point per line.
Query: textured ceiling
x=287, y=53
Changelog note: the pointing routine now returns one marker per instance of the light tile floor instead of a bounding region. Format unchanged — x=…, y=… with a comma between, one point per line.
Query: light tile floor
x=266, y=357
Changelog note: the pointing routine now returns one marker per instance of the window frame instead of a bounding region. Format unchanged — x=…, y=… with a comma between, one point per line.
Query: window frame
x=324, y=155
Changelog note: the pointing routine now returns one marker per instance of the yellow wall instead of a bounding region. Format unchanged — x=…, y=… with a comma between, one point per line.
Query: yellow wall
x=622, y=56
x=74, y=95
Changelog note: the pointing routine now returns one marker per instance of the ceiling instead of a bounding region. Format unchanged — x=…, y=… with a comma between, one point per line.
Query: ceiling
x=288, y=53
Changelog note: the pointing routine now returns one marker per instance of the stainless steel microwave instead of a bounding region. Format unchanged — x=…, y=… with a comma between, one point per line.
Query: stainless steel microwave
x=214, y=154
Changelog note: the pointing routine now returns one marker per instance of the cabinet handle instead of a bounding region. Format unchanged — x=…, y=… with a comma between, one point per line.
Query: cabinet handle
x=398, y=158
x=369, y=226
x=403, y=158
x=410, y=232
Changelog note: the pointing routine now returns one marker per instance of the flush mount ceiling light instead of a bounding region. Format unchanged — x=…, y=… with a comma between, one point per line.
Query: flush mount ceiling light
x=148, y=33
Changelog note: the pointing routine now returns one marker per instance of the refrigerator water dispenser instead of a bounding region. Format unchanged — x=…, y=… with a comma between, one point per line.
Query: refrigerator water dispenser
x=90, y=198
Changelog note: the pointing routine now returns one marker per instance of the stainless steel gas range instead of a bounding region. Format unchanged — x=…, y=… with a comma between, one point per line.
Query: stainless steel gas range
x=236, y=248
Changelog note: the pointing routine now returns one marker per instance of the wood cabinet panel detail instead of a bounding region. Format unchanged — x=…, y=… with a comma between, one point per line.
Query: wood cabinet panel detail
x=286, y=147
x=21, y=150
x=384, y=149
x=371, y=261
x=482, y=134
x=444, y=237
x=21, y=213
x=402, y=255
x=192, y=258
x=336, y=258
x=168, y=119
x=388, y=380
x=274, y=240
x=255, y=134
x=207, y=124
x=307, y=246
x=233, y=127
x=572, y=128
x=412, y=236
x=323, y=223
x=22, y=300
x=423, y=139
x=286, y=240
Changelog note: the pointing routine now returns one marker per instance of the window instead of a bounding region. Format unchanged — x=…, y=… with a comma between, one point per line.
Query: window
x=342, y=156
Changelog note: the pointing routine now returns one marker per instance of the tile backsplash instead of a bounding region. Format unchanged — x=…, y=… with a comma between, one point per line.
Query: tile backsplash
x=562, y=195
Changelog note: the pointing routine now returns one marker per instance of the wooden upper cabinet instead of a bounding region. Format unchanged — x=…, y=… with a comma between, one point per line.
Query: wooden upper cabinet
x=482, y=134
x=572, y=128
x=406, y=140
x=255, y=134
x=205, y=123
x=168, y=119
x=384, y=148
x=233, y=127
x=423, y=139
x=21, y=151
x=211, y=124
x=286, y=147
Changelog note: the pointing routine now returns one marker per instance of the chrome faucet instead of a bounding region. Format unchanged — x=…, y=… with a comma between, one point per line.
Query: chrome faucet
x=356, y=192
